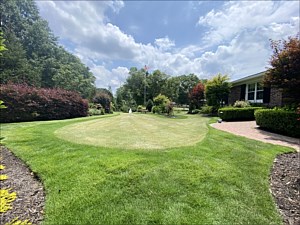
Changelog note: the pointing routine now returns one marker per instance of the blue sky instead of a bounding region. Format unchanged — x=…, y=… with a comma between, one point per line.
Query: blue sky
x=176, y=37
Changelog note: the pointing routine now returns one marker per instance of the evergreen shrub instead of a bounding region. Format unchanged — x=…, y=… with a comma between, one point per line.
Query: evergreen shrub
x=279, y=121
x=231, y=113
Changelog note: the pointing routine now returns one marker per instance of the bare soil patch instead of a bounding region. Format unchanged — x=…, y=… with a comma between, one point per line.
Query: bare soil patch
x=29, y=204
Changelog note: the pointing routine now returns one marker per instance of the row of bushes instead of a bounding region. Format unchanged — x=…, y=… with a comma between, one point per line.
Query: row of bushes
x=26, y=103
x=231, y=113
x=279, y=121
x=276, y=120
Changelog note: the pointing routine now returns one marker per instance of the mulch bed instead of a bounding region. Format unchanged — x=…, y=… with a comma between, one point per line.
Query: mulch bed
x=29, y=204
x=285, y=186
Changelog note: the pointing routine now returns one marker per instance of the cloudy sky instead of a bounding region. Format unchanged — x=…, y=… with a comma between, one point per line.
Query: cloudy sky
x=176, y=37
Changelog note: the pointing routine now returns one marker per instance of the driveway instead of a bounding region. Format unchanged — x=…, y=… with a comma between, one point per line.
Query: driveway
x=250, y=130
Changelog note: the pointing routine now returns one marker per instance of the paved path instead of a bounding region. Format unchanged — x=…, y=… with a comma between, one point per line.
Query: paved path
x=250, y=130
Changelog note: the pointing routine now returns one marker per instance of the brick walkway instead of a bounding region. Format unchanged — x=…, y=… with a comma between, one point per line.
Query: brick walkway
x=250, y=130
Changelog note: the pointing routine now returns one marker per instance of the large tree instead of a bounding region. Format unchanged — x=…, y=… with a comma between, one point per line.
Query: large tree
x=217, y=90
x=135, y=84
x=34, y=56
x=285, y=67
x=156, y=83
x=14, y=65
x=187, y=83
x=171, y=88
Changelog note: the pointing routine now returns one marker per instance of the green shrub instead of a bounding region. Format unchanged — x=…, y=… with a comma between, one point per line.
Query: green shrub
x=290, y=107
x=125, y=108
x=94, y=112
x=241, y=104
x=140, y=108
x=279, y=121
x=161, y=102
x=195, y=111
x=207, y=109
x=156, y=109
x=133, y=108
x=231, y=113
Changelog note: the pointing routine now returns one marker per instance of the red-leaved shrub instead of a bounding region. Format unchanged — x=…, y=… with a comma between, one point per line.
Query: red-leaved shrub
x=26, y=103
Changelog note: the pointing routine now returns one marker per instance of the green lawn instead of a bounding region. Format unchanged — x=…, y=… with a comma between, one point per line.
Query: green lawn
x=222, y=179
x=136, y=131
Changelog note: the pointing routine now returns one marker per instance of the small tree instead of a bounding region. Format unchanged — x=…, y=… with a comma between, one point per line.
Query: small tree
x=196, y=97
x=161, y=102
x=217, y=90
x=285, y=66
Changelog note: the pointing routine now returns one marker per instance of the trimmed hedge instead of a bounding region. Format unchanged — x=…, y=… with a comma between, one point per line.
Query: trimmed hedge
x=26, y=103
x=279, y=121
x=231, y=113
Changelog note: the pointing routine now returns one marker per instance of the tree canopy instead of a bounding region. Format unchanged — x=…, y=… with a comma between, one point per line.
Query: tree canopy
x=34, y=56
x=217, y=90
x=140, y=83
x=285, y=67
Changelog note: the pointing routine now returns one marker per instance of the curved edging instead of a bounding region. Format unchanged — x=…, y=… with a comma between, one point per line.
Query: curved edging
x=30, y=200
x=285, y=186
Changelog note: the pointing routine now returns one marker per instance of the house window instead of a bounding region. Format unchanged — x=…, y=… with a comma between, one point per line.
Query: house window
x=251, y=92
x=254, y=92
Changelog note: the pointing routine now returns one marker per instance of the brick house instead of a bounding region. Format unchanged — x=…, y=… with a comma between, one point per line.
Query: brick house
x=251, y=89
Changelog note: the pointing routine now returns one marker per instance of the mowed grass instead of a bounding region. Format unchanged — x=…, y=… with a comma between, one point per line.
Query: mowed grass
x=221, y=180
x=136, y=131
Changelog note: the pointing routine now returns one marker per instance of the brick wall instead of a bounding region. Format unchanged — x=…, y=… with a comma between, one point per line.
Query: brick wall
x=275, y=97
x=234, y=95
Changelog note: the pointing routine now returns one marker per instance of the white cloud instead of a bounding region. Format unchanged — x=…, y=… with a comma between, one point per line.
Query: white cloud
x=237, y=40
x=115, y=5
x=238, y=16
x=241, y=30
x=85, y=25
x=164, y=43
x=106, y=78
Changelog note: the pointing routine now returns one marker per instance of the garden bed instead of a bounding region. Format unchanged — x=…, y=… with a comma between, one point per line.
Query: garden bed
x=29, y=203
x=285, y=186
